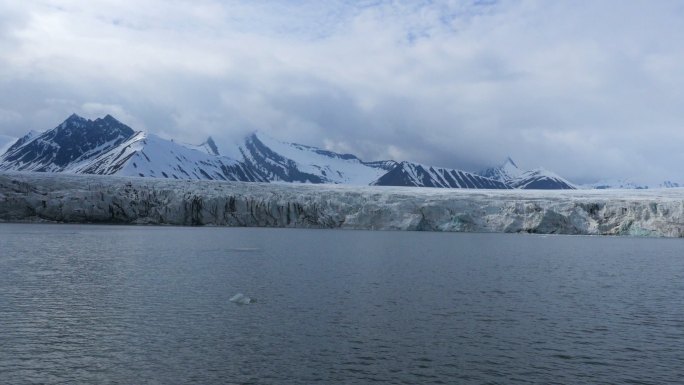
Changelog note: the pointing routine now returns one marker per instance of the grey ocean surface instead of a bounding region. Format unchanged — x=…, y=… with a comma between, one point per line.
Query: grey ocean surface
x=132, y=305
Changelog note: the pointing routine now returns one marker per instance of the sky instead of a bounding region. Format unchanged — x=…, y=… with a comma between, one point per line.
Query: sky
x=589, y=89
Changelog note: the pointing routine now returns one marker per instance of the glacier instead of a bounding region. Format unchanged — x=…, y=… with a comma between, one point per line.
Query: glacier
x=49, y=197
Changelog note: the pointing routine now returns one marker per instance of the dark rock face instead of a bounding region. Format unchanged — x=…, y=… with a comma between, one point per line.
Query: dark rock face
x=212, y=146
x=75, y=140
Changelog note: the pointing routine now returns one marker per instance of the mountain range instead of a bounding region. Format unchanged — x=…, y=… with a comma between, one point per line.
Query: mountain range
x=106, y=146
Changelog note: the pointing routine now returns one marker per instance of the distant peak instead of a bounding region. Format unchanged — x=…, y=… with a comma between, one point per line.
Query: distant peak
x=510, y=161
x=212, y=145
x=75, y=117
x=108, y=119
x=74, y=120
x=258, y=135
x=540, y=170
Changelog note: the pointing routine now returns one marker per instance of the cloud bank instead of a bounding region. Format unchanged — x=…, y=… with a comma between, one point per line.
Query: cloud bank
x=588, y=89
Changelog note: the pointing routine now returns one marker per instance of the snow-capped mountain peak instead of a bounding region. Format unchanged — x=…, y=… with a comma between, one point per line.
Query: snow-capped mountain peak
x=510, y=162
x=510, y=170
x=73, y=141
x=541, y=179
x=510, y=174
x=74, y=119
x=506, y=172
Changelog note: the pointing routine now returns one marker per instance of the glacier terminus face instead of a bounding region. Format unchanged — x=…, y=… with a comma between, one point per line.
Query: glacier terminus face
x=130, y=200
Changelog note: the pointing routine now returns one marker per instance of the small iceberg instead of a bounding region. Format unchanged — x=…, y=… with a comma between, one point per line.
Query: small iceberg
x=241, y=299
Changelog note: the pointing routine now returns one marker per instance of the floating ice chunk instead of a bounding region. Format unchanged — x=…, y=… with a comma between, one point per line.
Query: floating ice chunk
x=241, y=299
x=243, y=249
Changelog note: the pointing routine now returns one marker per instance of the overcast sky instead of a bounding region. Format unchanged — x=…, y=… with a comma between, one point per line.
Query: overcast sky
x=589, y=89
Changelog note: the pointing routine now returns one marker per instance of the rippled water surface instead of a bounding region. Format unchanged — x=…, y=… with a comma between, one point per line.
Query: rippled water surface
x=132, y=305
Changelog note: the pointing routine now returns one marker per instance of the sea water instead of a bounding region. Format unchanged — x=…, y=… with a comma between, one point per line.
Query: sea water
x=120, y=304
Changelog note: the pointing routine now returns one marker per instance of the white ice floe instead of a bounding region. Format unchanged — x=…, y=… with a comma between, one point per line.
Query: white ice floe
x=241, y=299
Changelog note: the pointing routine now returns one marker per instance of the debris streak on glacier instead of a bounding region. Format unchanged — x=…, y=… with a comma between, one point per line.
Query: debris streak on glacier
x=129, y=200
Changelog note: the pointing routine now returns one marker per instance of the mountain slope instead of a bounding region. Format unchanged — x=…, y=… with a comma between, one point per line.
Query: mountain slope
x=148, y=155
x=291, y=162
x=413, y=174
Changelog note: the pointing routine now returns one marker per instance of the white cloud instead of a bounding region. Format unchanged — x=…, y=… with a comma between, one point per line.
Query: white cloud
x=94, y=110
x=589, y=90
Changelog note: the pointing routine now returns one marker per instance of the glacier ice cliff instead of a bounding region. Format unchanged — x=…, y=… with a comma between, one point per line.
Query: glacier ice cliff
x=128, y=200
